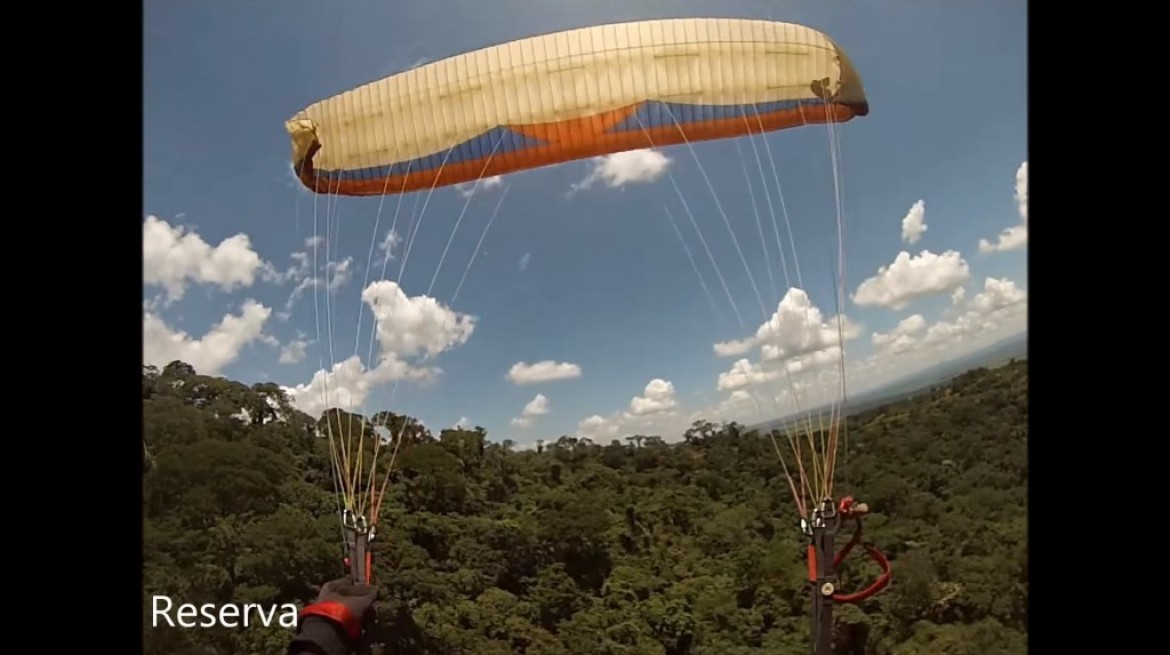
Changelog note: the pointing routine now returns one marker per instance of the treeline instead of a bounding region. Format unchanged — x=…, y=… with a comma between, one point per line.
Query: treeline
x=688, y=548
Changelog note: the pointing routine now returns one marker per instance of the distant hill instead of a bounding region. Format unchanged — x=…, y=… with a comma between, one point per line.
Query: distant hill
x=997, y=354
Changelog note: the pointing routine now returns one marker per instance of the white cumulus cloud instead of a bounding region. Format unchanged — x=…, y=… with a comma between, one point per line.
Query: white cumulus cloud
x=221, y=345
x=622, y=168
x=1022, y=191
x=735, y=348
x=348, y=383
x=1000, y=303
x=657, y=397
x=997, y=294
x=420, y=325
x=538, y=406
x=765, y=389
x=652, y=412
x=523, y=373
x=997, y=311
x=745, y=374
x=172, y=258
x=293, y=352
x=1016, y=236
x=795, y=329
x=914, y=223
x=739, y=405
x=406, y=328
x=466, y=189
x=387, y=245
x=912, y=277
x=597, y=427
x=808, y=362
x=902, y=336
x=331, y=274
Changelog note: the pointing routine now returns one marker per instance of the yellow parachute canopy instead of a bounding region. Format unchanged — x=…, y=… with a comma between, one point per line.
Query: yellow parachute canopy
x=571, y=95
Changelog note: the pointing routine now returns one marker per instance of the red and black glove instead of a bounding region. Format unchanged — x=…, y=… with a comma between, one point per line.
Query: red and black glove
x=333, y=624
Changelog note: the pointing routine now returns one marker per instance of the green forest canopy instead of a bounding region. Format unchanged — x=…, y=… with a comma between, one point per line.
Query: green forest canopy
x=655, y=548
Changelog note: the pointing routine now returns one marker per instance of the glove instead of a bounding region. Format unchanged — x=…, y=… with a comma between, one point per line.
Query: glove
x=344, y=603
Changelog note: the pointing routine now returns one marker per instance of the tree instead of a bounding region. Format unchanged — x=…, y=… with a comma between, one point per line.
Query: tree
x=637, y=547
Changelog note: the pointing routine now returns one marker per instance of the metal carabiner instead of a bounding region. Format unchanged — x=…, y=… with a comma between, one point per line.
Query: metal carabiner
x=347, y=519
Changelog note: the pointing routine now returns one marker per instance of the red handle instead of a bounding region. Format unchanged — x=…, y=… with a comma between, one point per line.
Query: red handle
x=876, y=555
x=882, y=580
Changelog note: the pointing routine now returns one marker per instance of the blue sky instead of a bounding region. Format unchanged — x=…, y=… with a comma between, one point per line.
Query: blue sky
x=596, y=278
